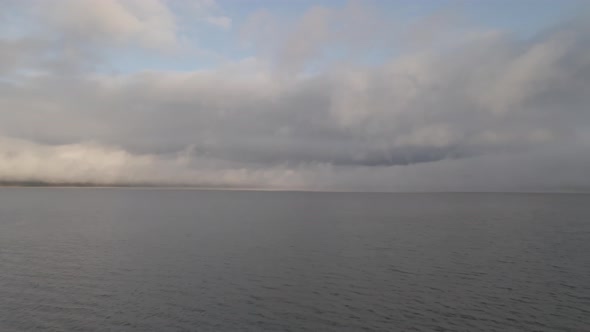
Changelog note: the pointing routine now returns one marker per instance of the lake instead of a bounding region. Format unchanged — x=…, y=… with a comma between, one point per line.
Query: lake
x=100, y=259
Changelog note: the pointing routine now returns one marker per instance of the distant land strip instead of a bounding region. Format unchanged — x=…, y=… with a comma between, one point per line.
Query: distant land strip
x=153, y=185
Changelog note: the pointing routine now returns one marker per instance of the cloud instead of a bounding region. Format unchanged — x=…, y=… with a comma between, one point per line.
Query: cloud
x=149, y=23
x=293, y=45
x=207, y=11
x=222, y=22
x=482, y=111
x=92, y=163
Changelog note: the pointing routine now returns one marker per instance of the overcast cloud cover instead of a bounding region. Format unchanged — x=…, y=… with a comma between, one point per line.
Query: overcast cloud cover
x=343, y=96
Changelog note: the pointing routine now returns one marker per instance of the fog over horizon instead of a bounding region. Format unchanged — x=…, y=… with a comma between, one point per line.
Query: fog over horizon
x=341, y=96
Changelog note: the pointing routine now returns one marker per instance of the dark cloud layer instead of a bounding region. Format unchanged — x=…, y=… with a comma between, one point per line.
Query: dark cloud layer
x=480, y=110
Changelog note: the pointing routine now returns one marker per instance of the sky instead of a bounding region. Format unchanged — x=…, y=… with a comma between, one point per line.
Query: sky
x=396, y=96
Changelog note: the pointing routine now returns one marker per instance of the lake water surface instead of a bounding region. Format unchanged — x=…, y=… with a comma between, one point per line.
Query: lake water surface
x=183, y=260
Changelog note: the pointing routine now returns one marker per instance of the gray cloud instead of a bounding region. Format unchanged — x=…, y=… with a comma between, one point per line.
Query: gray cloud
x=487, y=111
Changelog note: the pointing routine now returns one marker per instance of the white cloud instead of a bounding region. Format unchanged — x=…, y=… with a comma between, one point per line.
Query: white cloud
x=295, y=45
x=93, y=163
x=149, y=23
x=207, y=11
x=222, y=22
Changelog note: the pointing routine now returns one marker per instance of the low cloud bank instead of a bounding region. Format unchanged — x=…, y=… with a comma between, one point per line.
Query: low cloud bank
x=556, y=169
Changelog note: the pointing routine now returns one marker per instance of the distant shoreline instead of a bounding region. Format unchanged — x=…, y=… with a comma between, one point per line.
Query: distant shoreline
x=38, y=185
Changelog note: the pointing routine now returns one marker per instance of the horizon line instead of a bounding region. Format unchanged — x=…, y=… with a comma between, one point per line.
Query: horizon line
x=197, y=188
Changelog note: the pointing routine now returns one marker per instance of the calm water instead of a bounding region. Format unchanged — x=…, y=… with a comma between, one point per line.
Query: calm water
x=173, y=260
